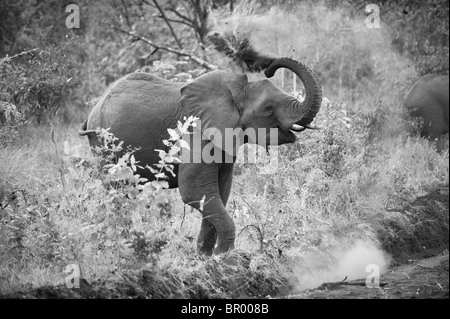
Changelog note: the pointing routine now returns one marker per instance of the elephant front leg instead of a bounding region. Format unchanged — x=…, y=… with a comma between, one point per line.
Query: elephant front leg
x=199, y=187
x=218, y=232
x=207, y=238
x=223, y=225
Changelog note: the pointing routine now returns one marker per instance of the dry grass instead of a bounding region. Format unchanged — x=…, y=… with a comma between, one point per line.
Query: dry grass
x=323, y=198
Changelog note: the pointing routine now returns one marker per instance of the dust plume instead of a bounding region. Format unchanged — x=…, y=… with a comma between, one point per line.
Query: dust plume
x=349, y=57
x=314, y=268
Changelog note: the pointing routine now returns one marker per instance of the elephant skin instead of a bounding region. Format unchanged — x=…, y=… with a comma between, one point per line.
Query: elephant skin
x=427, y=100
x=140, y=107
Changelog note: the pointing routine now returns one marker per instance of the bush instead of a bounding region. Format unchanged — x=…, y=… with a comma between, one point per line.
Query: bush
x=10, y=120
x=122, y=221
x=40, y=81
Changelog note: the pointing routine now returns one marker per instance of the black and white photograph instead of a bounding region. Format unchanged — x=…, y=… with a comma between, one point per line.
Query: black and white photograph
x=234, y=157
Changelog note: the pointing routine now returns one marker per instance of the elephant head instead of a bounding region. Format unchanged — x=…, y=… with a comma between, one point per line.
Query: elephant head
x=225, y=100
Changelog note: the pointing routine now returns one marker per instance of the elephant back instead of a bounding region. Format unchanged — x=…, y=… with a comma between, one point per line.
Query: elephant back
x=132, y=97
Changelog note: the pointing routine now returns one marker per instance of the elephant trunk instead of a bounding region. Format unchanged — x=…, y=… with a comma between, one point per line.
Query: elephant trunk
x=300, y=113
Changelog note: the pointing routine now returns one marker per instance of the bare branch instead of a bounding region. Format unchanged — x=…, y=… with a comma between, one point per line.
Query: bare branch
x=168, y=23
x=187, y=9
x=127, y=17
x=198, y=60
x=181, y=15
x=179, y=21
x=148, y=3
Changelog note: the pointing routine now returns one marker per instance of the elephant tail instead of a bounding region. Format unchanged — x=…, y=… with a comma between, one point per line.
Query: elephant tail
x=84, y=131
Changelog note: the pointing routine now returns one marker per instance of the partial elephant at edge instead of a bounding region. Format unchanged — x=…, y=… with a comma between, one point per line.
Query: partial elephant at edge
x=428, y=101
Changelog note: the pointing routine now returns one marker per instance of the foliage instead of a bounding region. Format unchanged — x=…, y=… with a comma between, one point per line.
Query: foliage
x=10, y=120
x=40, y=82
x=132, y=200
x=125, y=219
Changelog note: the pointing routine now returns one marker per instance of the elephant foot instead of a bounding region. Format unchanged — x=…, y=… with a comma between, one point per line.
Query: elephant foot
x=206, y=243
x=208, y=250
x=221, y=249
x=204, y=248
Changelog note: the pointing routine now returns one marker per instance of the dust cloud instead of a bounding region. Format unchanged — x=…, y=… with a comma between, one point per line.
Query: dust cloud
x=314, y=268
x=303, y=32
x=351, y=59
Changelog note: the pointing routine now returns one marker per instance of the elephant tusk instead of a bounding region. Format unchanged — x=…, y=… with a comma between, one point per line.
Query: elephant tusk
x=314, y=127
x=86, y=132
x=297, y=128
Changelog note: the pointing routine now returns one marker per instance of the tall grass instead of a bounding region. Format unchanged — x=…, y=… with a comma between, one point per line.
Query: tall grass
x=330, y=191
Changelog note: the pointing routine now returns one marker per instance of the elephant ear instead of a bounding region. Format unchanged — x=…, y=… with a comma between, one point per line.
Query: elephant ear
x=214, y=99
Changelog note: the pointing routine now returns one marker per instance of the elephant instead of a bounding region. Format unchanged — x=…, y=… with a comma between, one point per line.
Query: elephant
x=140, y=107
x=427, y=99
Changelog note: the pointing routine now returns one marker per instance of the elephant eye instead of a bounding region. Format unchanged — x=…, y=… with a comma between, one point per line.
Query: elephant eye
x=269, y=108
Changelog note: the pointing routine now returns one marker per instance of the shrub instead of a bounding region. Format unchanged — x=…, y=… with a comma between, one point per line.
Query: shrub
x=132, y=215
x=10, y=120
x=40, y=81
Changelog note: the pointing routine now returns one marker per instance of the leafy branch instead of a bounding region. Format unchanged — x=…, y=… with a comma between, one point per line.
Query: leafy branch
x=8, y=58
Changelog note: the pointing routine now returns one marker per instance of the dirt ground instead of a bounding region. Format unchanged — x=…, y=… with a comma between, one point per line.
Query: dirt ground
x=424, y=279
x=420, y=267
